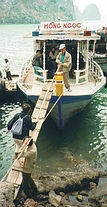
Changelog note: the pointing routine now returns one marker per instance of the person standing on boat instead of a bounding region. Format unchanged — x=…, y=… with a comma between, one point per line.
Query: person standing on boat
x=37, y=62
x=7, y=69
x=27, y=125
x=64, y=61
x=52, y=62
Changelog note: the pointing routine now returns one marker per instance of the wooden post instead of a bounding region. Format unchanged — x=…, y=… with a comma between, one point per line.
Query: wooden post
x=77, y=74
x=44, y=73
x=86, y=73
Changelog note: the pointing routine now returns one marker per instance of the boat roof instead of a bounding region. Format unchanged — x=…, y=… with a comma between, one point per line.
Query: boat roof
x=62, y=31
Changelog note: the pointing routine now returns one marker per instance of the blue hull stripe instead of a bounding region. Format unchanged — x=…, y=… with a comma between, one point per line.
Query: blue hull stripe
x=60, y=115
x=64, y=99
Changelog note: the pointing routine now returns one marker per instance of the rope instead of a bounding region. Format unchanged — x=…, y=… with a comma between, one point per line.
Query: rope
x=52, y=108
x=22, y=148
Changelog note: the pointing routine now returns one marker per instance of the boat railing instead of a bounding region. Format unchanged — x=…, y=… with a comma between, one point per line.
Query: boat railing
x=81, y=74
x=42, y=76
x=25, y=68
x=95, y=69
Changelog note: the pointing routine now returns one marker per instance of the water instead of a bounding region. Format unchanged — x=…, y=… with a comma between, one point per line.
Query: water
x=83, y=141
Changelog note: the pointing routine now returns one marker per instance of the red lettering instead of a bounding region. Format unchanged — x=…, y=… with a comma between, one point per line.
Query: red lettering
x=45, y=26
x=54, y=26
x=65, y=25
x=58, y=26
x=51, y=25
x=79, y=25
x=69, y=25
x=74, y=25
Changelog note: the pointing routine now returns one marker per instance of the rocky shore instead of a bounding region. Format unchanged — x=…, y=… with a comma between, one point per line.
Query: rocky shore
x=84, y=188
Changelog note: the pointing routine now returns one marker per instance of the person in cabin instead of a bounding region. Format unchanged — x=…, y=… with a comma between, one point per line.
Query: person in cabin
x=37, y=62
x=7, y=69
x=27, y=125
x=52, y=61
x=64, y=61
x=26, y=164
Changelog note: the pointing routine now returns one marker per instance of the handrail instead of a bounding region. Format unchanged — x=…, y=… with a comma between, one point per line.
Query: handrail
x=26, y=66
x=78, y=76
x=95, y=69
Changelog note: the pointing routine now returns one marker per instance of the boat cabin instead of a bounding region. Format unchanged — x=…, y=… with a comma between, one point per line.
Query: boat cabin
x=49, y=36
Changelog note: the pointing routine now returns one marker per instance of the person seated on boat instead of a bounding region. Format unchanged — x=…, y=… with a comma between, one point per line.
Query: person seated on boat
x=52, y=62
x=7, y=69
x=26, y=127
x=37, y=63
x=64, y=61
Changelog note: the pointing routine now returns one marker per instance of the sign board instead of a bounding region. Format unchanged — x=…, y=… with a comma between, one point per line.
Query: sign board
x=60, y=26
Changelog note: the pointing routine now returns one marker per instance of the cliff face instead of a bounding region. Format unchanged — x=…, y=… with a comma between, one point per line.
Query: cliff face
x=34, y=11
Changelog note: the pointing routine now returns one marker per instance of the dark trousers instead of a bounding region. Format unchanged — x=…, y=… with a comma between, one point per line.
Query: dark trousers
x=28, y=186
x=8, y=75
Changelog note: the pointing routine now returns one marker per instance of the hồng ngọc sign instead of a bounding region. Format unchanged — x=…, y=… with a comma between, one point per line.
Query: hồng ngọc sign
x=55, y=26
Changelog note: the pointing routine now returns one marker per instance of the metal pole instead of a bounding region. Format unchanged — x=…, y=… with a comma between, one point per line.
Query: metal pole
x=44, y=74
x=77, y=73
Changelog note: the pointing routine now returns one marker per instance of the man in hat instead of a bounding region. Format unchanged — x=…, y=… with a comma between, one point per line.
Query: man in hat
x=64, y=61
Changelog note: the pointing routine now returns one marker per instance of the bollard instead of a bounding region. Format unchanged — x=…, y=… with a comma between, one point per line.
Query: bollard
x=59, y=83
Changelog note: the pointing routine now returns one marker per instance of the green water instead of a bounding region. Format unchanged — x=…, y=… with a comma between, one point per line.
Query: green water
x=83, y=141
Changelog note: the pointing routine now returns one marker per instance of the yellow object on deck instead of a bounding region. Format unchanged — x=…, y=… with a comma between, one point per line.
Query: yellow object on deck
x=59, y=83
x=59, y=76
x=59, y=89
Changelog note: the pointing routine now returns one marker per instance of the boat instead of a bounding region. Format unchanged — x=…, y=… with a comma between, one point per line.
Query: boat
x=8, y=87
x=86, y=76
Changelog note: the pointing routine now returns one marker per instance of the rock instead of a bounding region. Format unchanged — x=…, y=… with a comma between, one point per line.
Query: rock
x=74, y=193
x=99, y=195
x=103, y=173
x=6, y=194
x=92, y=185
x=84, y=193
x=30, y=203
x=62, y=194
x=80, y=198
x=54, y=199
x=65, y=201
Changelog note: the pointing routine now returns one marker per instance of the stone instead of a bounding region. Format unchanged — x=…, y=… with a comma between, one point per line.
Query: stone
x=84, y=193
x=92, y=185
x=80, y=198
x=99, y=194
x=30, y=203
x=62, y=194
x=54, y=199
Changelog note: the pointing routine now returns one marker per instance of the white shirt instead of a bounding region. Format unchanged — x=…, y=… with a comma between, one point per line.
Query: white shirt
x=7, y=67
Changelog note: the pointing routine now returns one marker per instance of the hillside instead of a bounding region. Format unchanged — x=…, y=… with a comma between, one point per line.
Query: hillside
x=34, y=11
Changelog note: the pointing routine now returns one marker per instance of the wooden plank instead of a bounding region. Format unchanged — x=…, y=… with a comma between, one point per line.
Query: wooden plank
x=48, y=97
x=49, y=86
x=16, y=191
x=44, y=105
x=39, y=124
x=35, y=135
x=40, y=113
x=19, y=178
x=12, y=177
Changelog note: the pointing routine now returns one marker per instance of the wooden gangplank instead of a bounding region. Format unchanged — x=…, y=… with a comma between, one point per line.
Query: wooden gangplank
x=41, y=107
x=39, y=112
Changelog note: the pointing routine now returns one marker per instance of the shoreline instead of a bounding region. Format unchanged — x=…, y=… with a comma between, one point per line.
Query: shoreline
x=79, y=188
